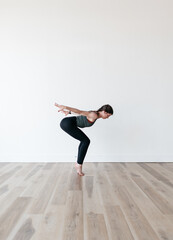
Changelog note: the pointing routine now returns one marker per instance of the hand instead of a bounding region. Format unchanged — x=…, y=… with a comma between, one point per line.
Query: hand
x=61, y=109
x=57, y=105
x=65, y=112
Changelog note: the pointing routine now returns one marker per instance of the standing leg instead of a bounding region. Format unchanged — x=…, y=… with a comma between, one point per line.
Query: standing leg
x=82, y=150
x=69, y=126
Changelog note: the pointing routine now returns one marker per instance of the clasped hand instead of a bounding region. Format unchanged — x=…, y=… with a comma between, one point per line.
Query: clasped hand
x=61, y=109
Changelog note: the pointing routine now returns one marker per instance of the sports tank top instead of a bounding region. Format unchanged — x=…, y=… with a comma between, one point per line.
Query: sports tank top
x=82, y=121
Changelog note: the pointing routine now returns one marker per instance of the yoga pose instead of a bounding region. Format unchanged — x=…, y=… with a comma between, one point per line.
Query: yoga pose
x=71, y=126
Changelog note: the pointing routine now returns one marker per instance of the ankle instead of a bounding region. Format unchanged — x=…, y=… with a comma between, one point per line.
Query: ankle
x=80, y=165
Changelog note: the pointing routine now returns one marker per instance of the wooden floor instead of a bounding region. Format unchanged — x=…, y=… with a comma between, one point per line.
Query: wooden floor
x=115, y=201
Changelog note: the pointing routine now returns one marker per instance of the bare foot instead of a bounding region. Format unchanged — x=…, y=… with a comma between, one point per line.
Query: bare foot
x=79, y=169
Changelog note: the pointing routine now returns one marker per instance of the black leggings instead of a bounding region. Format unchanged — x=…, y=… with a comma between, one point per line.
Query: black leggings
x=68, y=124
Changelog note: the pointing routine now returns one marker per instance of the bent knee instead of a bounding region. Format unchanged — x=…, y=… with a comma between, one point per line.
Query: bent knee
x=64, y=124
x=87, y=141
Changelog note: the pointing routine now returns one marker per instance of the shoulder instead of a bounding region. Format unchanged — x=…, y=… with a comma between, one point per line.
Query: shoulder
x=92, y=115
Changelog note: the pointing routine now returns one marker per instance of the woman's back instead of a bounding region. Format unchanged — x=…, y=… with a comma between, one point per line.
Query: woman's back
x=82, y=121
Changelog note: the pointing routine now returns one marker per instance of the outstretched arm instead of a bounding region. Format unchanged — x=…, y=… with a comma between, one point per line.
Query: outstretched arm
x=66, y=110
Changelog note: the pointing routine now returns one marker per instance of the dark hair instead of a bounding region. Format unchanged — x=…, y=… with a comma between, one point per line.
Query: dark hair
x=107, y=108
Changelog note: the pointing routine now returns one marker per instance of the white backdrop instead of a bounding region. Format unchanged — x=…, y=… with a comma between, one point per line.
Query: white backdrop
x=85, y=54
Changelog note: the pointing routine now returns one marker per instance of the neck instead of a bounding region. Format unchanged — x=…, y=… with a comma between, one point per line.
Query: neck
x=98, y=115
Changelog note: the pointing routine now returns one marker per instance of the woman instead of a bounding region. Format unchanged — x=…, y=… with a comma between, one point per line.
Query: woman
x=71, y=126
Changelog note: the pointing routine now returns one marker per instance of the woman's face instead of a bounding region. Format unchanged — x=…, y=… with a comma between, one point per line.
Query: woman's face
x=105, y=115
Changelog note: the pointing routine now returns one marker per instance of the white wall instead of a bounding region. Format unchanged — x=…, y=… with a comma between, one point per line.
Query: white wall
x=85, y=54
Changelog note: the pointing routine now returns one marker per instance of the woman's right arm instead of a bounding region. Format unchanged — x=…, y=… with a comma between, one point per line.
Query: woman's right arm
x=88, y=114
x=63, y=108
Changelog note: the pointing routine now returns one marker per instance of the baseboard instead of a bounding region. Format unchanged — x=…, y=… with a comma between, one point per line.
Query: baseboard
x=89, y=158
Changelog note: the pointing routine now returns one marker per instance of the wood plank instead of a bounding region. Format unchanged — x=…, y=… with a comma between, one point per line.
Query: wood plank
x=3, y=189
x=138, y=223
x=26, y=227
x=49, y=166
x=159, y=222
x=6, y=168
x=61, y=188
x=3, y=164
x=141, y=226
x=12, y=215
x=75, y=181
x=159, y=168
x=17, y=179
x=26, y=231
x=9, y=174
x=89, y=185
x=96, y=227
x=158, y=186
x=51, y=224
x=44, y=196
x=73, y=224
x=164, y=206
x=7, y=200
x=156, y=174
x=91, y=200
x=33, y=172
x=106, y=193
x=167, y=165
x=26, y=167
x=35, y=184
x=118, y=225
